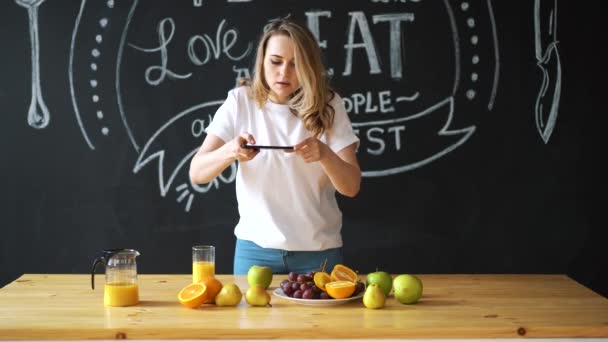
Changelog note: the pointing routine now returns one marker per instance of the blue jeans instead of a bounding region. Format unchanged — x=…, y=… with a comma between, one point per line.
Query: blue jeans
x=247, y=254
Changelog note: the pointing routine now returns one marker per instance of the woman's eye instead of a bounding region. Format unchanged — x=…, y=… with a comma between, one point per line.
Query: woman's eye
x=275, y=62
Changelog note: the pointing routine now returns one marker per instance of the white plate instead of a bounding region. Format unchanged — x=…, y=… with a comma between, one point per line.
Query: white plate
x=315, y=302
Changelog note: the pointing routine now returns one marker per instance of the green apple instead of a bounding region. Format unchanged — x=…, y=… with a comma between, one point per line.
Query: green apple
x=374, y=297
x=259, y=275
x=383, y=279
x=407, y=288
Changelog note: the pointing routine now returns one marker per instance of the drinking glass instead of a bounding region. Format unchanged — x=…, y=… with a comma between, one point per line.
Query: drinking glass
x=203, y=262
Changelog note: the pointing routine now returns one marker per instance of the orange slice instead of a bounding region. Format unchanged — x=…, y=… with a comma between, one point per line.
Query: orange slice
x=214, y=287
x=320, y=279
x=193, y=295
x=340, y=289
x=341, y=272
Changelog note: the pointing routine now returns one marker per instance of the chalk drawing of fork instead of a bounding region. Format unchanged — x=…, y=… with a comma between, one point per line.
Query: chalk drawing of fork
x=38, y=115
x=548, y=60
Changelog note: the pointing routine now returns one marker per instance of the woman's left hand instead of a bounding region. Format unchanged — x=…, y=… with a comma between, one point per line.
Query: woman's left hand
x=311, y=149
x=342, y=167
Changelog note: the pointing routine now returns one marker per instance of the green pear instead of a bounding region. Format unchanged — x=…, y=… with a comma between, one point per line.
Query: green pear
x=374, y=297
x=257, y=296
x=381, y=278
x=259, y=275
x=229, y=295
x=407, y=288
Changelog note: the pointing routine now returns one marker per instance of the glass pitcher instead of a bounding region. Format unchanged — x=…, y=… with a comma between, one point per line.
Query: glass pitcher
x=121, y=287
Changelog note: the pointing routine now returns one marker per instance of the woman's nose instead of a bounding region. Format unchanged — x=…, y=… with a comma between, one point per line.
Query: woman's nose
x=284, y=70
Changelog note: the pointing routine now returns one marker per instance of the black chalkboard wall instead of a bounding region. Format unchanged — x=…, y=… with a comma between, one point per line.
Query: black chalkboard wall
x=475, y=119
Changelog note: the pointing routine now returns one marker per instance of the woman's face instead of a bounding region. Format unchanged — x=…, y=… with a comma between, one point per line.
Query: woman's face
x=280, y=68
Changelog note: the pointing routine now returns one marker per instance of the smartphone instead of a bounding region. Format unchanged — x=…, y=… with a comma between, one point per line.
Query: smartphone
x=258, y=147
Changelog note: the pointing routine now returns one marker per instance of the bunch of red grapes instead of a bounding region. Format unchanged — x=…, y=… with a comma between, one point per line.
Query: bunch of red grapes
x=302, y=286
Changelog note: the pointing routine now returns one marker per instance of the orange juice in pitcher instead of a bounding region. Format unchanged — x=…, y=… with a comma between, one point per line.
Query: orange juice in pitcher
x=120, y=294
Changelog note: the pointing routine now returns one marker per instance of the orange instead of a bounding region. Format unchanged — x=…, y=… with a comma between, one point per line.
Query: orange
x=214, y=287
x=321, y=278
x=340, y=289
x=193, y=295
x=341, y=272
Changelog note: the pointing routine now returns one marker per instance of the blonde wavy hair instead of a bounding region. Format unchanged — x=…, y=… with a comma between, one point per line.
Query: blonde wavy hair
x=311, y=101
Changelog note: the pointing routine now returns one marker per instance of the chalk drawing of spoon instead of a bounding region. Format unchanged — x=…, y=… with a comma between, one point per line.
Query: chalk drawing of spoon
x=38, y=115
x=548, y=60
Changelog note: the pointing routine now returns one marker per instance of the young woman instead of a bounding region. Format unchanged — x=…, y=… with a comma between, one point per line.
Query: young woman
x=289, y=217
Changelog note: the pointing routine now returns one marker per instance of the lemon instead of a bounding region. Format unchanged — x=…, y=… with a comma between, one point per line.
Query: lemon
x=320, y=279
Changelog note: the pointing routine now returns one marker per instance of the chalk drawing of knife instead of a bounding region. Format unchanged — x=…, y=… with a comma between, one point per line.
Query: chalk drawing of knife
x=548, y=60
x=38, y=115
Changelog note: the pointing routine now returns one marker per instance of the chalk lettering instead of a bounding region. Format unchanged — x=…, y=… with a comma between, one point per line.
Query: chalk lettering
x=223, y=43
x=358, y=20
x=385, y=101
x=364, y=103
x=381, y=145
x=397, y=130
x=313, y=25
x=395, y=20
x=198, y=126
x=241, y=73
x=164, y=41
x=211, y=48
x=215, y=183
x=379, y=137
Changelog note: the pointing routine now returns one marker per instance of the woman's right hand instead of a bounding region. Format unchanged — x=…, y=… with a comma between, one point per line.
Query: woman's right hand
x=236, y=150
x=215, y=155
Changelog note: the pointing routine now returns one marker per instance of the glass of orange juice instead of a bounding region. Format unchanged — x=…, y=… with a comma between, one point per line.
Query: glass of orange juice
x=203, y=262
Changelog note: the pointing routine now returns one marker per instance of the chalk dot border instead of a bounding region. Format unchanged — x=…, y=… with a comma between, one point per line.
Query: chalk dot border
x=95, y=67
x=473, y=39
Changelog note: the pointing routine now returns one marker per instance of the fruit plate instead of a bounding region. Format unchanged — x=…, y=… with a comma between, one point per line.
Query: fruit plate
x=315, y=302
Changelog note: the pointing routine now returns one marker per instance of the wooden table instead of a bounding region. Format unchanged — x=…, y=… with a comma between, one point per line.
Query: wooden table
x=58, y=306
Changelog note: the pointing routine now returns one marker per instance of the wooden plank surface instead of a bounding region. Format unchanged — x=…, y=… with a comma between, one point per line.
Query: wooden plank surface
x=58, y=306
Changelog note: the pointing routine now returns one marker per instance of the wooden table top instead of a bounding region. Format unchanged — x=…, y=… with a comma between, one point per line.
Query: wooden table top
x=62, y=306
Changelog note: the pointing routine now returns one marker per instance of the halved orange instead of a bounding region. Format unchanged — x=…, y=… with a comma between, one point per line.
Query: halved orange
x=340, y=289
x=341, y=272
x=193, y=295
x=320, y=279
x=214, y=287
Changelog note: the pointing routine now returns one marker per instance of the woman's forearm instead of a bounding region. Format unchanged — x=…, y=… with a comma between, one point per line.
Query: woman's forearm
x=206, y=165
x=343, y=171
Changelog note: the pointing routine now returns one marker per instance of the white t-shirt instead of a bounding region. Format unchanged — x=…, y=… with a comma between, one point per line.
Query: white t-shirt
x=283, y=202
